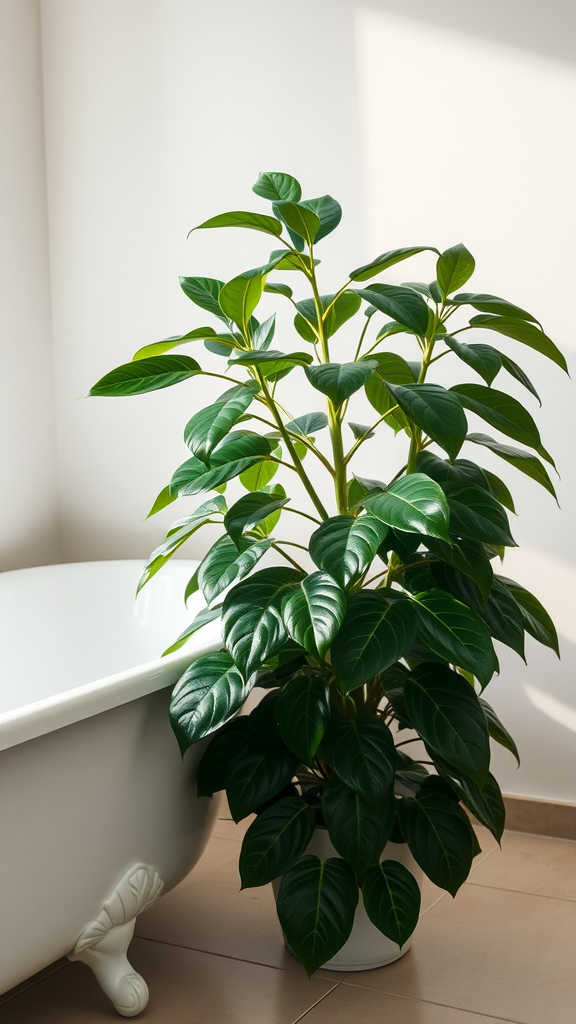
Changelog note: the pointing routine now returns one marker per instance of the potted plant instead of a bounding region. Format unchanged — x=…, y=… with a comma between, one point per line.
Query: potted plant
x=373, y=636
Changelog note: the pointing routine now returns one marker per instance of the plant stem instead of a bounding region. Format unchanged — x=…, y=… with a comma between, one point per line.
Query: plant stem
x=288, y=558
x=362, y=336
x=297, y=512
x=363, y=437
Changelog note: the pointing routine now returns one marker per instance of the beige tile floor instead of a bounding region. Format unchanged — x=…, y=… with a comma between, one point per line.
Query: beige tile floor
x=504, y=950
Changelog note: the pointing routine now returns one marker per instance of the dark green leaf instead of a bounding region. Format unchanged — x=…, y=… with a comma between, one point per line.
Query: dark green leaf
x=486, y=360
x=210, y=425
x=486, y=803
x=503, y=412
x=499, y=611
x=445, y=711
x=345, y=546
x=460, y=472
x=252, y=626
x=518, y=373
x=303, y=712
x=262, y=336
x=358, y=831
x=453, y=268
x=454, y=631
x=341, y=309
x=275, y=840
x=243, y=219
x=158, y=348
x=520, y=331
x=265, y=527
x=328, y=211
x=237, y=453
x=491, y=304
x=276, y=287
x=314, y=611
x=316, y=905
x=308, y=424
x=209, y=693
x=145, y=375
x=213, y=767
x=391, y=897
x=378, y=629
x=403, y=304
x=361, y=430
x=468, y=557
x=340, y=380
x=524, y=461
x=390, y=367
x=387, y=259
x=497, y=731
x=276, y=186
x=204, y=616
x=249, y=510
x=476, y=515
x=272, y=356
x=227, y=562
x=499, y=490
x=256, y=776
x=437, y=411
x=537, y=621
x=414, y=503
x=361, y=751
x=179, y=532
x=204, y=292
x=303, y=224
x=438, y=834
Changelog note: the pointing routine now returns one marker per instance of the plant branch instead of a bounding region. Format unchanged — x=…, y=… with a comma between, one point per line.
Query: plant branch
x=288, y=558
x=364, y=437
x=297, y=512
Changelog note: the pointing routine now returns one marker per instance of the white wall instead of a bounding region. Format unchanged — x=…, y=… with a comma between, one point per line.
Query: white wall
x=29, y=512
x=429, y=125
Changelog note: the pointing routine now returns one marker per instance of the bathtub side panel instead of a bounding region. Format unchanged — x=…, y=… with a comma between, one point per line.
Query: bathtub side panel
x=78, y=807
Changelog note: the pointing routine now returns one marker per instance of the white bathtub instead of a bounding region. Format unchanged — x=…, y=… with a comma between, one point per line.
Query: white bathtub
x=98, y=813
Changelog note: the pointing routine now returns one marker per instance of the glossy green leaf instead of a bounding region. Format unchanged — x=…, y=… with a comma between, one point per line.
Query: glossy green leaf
x=476, y=515
x=393, y=368
x=303, y=224
x=213, y=767
x=150, y=374
x=221, y=345
x=524, y=461
x=240, y=296
x=204, y=616
x=249, y=510
x=486, y=803
x=537, y=621
x=261, y=473
x=391, y=897
x=518, y=373
x=277, y=187
x=437, y=411
x=414, y=503
x=209, y=693
x=455, y=632
x=263, y=335
x=272, y=356
x=387, y=259
x=499, y=490
x=469, y=557
x=277, y=288
x=344, y=546
x=328, y=211
x=210, y=425
x=164, y=499
x=265, y=526
x=378, y=629
x=439, y=837
x=403, y=304
x=177, y=536
x=204, y=292
x=316, y=904
x=243, y=219
x=313, y=612
x=252, y=624
x=303, y=713
x=361, y=430
x=484, y=359
x=499, y=610
x=340, y=380
x=503, y=412
x=256, y=776
x=233, y=456
x=491, y=304
x=275, y=841
x=339, y=309
x=158, y=348
x=523, y=332
x=292, y=260
x=453, y=269
x=308, y=424
x=446, y=713
x=358, y=831
x=497, y=731
x=361, y=751
x=226, y=563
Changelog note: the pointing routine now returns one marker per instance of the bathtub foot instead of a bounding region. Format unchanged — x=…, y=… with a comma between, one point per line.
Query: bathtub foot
x=103, y=945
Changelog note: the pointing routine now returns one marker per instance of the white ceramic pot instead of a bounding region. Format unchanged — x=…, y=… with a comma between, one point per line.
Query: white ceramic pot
x=367, y=947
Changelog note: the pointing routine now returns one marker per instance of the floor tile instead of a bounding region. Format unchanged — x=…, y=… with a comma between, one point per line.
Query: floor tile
x=185, y=987
x=346, y=1004
x=534, y=864
x=491, y=951
x=56, y=966
x=225, y=828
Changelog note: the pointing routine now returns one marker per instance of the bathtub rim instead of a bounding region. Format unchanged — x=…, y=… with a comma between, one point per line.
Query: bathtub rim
x=62, y=709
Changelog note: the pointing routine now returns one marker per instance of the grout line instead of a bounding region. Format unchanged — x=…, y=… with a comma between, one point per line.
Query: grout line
x=320, y=1000
x=224, y=956
x=539, y=835
x=430, y=1002
x=521, y=892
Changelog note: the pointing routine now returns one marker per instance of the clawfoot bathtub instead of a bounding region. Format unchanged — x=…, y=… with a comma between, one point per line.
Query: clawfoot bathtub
x=98, y=813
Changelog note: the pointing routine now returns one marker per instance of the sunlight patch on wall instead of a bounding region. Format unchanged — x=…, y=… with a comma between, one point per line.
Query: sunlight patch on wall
x=550, y=706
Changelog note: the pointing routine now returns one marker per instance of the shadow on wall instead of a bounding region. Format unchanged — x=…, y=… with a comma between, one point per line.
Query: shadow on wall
x=547, y=27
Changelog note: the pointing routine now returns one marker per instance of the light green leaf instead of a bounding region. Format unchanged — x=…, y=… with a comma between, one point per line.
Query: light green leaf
x=259, y=358
x=204, y=616
x=208, y=695
x=344, y=546
x=393, y=368
x=303, y=225
x=177, y=535
x=158, y=348
x=264, y=333
x=277, y=187
x=388, y=259
x=520, y=331
x=414, y=503
x=209, y=426
x=313, y=612
x=340, y=380
x=328, y=211
x=243, y=219
x=453, y=268
x=150, y=374
x=260, y=474
x=276, y=287
x=164, y=499
x=240, y=296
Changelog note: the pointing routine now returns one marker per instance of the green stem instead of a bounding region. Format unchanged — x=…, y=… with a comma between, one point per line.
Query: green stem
x=305, y=515
x=288, y=558
x=363, y=437
x=362, y=336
